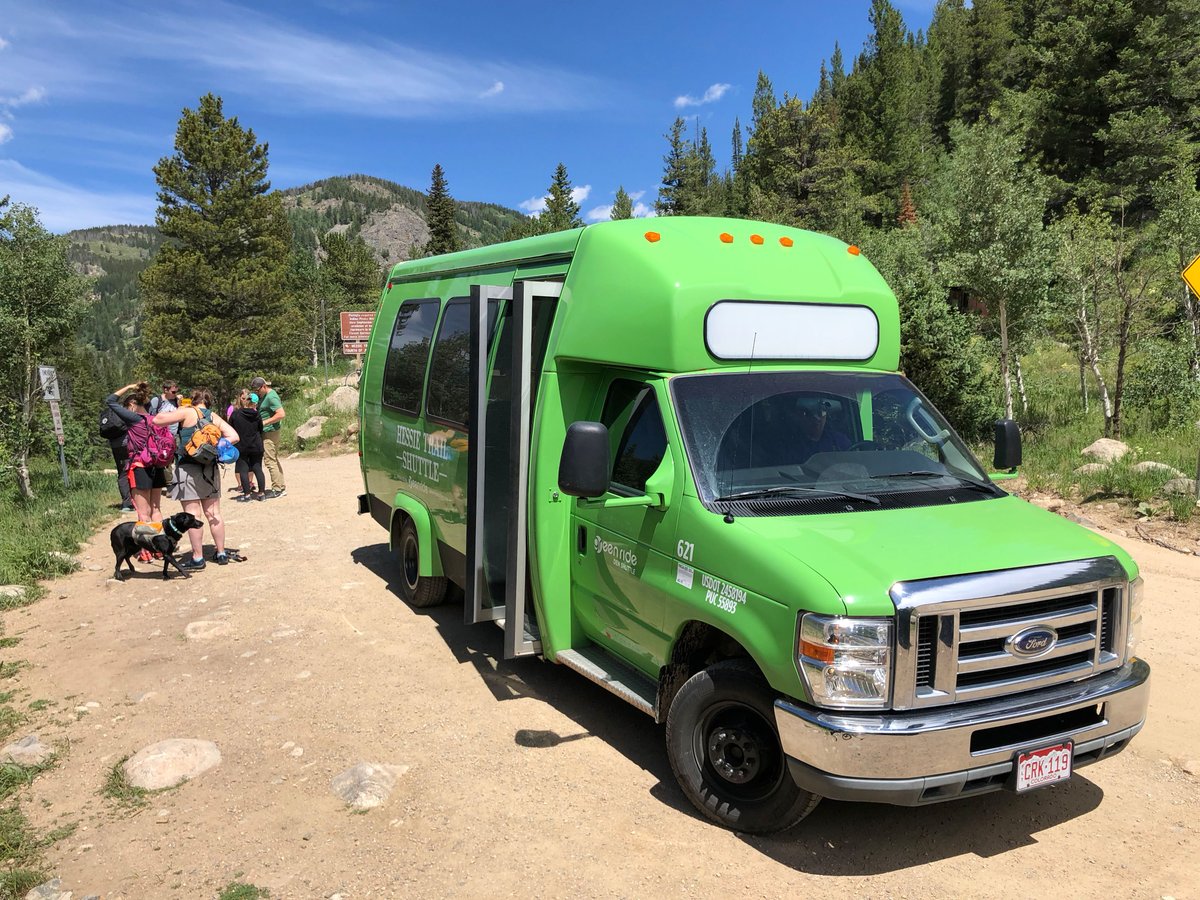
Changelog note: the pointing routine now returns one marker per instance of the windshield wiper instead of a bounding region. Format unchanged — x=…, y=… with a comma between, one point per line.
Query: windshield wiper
x=785, y=489
x=963, y=479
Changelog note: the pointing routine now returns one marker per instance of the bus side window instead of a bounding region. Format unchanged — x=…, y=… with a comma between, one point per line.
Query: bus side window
x=408, y=355
x=449, y=373
x=631, y=410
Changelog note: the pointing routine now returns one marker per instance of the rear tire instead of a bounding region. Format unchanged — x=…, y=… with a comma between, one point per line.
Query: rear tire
x=417, y=590
x=725, y=751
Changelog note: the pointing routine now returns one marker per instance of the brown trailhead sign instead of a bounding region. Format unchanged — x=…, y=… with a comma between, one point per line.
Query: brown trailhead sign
x=1192, y=275
x=356, y=326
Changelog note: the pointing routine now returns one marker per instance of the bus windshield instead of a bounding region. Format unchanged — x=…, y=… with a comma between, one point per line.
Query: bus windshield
x=841, y=434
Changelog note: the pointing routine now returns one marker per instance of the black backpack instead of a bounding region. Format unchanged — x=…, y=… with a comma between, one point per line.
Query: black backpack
x=112, y=426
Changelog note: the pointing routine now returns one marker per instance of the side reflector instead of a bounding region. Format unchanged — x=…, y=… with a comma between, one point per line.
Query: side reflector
x=816, y=651
x=786, y=241
x=853, y=250
x=653, y=237
x=756, y=239
x=726, y=237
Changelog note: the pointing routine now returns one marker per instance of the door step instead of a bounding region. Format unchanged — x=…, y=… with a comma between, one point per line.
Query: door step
x=612, y=675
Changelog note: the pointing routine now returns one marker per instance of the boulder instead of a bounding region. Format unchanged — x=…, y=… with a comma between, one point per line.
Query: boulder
x=1180, y=486
x=170, y=762
x=1157, y=468
x=344, y=399
x=27, y=752
x=311, y=430
x=1105, y=450
x=11, y=591
x=1091, y=469
x=352, y=428
x=366, y=785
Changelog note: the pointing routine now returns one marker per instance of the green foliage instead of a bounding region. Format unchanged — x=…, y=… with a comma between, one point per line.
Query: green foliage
x=121, y=791
x=443, y=231
x=217, y=309
x=622, y=207
x=1162, y=387
x=41, y=304
x=32, y=532
x=240, y=890
x=939, y=350
x=561, y=212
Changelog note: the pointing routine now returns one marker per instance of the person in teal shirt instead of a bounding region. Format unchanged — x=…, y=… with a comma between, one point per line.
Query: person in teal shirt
x=270, y=408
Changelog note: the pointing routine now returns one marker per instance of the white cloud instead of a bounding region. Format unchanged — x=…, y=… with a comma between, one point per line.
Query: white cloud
x=3, y=43
x=30, y=95
x=533, y=205
x=642, y=211
x=6, y=133
x=714, y=93
x=636, y=195
x=240, y=55
x=63, y=206
x=599, y=214
x=604, y=213
x=580, y=194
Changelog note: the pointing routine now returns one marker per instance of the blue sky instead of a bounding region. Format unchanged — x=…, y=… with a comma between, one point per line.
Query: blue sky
x=498, y=93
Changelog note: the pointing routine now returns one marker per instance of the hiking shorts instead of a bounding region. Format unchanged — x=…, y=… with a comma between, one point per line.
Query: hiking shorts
x=145, y=479
x=195, y=482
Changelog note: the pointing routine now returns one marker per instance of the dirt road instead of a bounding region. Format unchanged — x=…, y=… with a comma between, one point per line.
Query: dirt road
x=523, y=778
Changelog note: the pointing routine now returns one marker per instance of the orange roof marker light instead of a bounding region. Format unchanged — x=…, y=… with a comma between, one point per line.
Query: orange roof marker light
x=726, y=237
x=756, y=239
x=653, y=237
x=853, y=250
x=786, y=241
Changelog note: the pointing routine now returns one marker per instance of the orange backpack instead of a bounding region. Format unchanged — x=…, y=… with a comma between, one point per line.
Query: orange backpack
x=201, y=447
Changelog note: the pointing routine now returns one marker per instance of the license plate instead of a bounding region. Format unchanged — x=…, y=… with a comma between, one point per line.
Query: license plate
x=1046, y=765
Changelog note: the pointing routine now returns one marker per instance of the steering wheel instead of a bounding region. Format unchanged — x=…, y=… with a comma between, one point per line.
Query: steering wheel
x=938, y=438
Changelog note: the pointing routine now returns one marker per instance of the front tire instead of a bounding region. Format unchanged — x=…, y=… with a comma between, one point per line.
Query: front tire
x=416, y=590
x=725, y=751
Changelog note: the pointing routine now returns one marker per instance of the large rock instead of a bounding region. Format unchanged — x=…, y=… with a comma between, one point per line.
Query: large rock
x=170, y=762
x=1091, y=469
x=344, y=399
x=27, y=752
x=1106, y=450
x=207, y=630
x=1180, y=486
x=311, y=430
x=1157, y=468
x=366, y=785
x=11, y=592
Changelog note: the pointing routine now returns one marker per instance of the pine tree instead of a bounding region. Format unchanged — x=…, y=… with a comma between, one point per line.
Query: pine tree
x=674, y=171
x=622, y=207
x=561, y=212
x=443, y=232
x=217, y=308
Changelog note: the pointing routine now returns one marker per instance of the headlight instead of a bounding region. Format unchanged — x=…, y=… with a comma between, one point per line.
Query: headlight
x=845, y=662
x=1134, y=632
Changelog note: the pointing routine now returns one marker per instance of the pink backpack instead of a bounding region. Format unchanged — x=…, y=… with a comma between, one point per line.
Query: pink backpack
x=151, y=445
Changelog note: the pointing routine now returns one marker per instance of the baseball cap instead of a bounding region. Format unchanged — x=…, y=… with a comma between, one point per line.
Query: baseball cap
x=257, y=382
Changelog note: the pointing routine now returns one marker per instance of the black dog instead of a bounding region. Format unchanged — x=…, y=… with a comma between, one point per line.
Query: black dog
x=127, y=545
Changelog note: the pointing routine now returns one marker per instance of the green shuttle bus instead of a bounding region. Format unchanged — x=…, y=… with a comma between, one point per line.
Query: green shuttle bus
x=676, y=456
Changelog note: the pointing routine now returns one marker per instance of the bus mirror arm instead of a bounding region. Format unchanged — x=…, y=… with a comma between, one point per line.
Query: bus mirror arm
x=584, y=468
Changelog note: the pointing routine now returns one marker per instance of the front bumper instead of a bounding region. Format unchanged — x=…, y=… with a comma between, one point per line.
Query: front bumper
x=926, y=756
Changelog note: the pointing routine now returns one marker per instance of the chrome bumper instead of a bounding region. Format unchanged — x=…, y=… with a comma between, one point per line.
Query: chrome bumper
x=925, y=756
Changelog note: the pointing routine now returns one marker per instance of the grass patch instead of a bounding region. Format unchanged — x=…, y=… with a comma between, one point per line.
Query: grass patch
x=12, y=667
x=118, y=789
x=10, y=719
x=6, y=643
x=39, y=538
x=20, y=855
x=241, y=890
x=39, y=705
x=14, y=777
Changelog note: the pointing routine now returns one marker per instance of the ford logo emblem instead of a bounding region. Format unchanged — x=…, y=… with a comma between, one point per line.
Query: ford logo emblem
x=1032, y=641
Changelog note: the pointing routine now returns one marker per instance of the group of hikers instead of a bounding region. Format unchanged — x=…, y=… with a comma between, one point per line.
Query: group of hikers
x=175, y=444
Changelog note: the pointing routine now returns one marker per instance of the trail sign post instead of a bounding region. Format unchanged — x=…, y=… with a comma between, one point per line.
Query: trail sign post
x=356, y=331
x=48, y=376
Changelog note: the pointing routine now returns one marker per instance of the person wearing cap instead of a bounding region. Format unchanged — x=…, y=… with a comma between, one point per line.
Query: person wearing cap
x=270, y=409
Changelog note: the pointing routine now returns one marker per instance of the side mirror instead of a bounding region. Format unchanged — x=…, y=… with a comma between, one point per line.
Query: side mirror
x=584, y=468
x=1008, y=445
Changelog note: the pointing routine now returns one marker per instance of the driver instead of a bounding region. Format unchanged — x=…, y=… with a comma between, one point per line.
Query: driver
x=815, y=434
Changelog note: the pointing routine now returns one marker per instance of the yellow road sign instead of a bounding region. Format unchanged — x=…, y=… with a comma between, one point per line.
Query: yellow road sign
x=1192, y=275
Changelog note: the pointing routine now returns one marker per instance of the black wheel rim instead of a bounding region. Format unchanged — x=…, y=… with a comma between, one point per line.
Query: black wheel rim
x=410, y=561
x=738, y=753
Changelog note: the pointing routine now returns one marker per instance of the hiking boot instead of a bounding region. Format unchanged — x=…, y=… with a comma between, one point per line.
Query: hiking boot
x=275, y=493
x=221, y=559
x=192, y=565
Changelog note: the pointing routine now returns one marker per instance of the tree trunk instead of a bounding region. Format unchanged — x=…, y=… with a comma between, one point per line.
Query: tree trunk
x=1021, y=385
x=1083, y=391
x=24, y=485
x=1005, y=376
